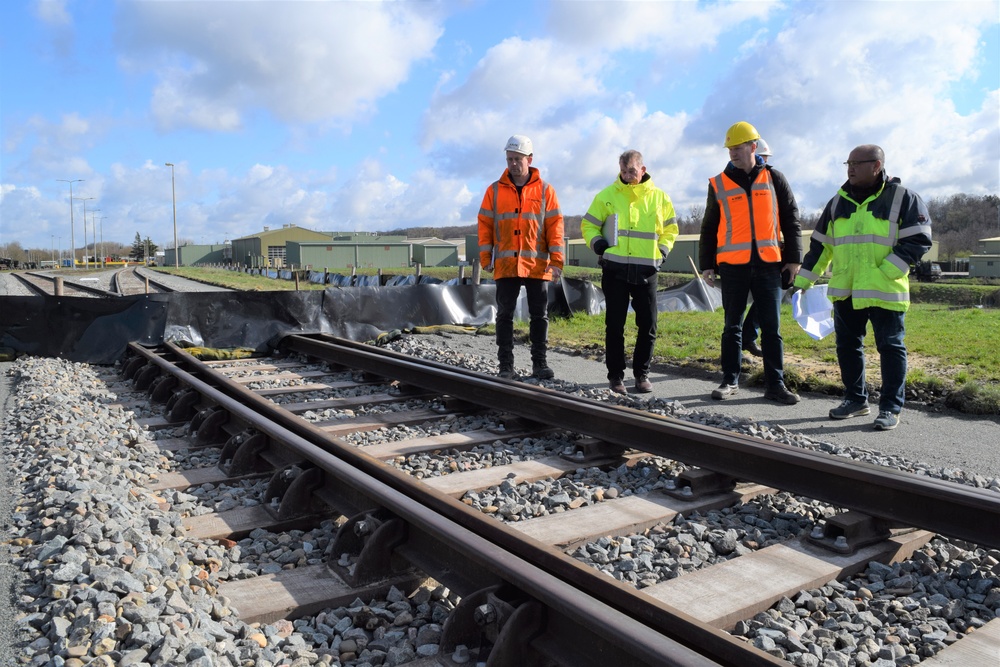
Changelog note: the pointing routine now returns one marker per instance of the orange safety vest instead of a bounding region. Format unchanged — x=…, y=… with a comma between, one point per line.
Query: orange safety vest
x=523, y=236
x=743, y=220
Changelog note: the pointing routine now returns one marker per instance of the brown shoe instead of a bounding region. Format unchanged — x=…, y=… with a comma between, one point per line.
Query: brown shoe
x=618, y=386
x=643, y=385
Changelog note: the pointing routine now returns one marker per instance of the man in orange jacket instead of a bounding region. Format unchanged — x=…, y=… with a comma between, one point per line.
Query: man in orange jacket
x=751, y=236
x=521, y=242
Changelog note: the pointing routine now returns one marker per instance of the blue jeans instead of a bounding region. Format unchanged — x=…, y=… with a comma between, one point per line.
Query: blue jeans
x=763, y=281
x=617, y=294
x=537, y=293
x=850, y=326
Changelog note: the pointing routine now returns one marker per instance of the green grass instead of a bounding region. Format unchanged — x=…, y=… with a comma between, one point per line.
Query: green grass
x=952, y=348
x=950, y=351
x=236, y=279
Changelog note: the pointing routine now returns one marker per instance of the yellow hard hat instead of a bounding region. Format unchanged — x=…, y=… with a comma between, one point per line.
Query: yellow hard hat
x=740, y=133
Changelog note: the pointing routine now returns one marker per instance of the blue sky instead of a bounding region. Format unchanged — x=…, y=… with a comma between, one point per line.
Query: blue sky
x=367, y=116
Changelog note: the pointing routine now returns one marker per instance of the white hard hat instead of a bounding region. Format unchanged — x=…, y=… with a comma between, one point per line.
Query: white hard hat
x=519, y=144
x=763, y=149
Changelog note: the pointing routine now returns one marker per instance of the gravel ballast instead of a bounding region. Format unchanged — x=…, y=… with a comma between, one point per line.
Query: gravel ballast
x=102, y=572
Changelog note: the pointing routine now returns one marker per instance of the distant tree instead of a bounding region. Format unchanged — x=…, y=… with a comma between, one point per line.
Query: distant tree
x=15, y=252
x=138, y=250
x=691, y=223
x=142, y=249
x=959, y=221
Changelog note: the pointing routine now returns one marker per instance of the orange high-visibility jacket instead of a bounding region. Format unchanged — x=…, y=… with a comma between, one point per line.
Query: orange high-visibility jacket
x=521, y=236
x=742, y=221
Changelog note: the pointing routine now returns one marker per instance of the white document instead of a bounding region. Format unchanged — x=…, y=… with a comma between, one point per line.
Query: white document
x=610, y=229
x=813, y=311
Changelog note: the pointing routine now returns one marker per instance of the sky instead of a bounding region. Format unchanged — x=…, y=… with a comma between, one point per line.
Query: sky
x=376, y=116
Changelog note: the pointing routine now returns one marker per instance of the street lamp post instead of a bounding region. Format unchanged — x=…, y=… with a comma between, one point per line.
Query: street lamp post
x=86, y=264
x=173, y=194
x=53, y=248
x=93, y=232
x=72, y=230
x=102, y=240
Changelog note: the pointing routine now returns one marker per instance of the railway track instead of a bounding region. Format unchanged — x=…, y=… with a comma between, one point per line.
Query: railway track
x=44, y=284
x=123, y=282
x=526, y=595
x=130, y=281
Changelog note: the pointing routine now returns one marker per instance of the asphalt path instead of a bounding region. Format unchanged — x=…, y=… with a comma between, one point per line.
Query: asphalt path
x=939, y=439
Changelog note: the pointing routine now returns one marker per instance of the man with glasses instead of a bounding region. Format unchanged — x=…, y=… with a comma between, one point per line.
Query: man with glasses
x=750, y=211
x=872, y=231
x=645, y=228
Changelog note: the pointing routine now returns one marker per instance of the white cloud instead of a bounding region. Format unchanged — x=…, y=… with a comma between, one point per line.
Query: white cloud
x=52, y=12
x=325, y=60
x=518, y=86
x=662, y=28
x=375, y=200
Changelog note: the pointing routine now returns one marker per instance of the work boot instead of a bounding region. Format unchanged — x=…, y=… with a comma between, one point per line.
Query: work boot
x=618, y=385
x=781, y=394
x=506, y=371
x=541, y=370
x=642, y=384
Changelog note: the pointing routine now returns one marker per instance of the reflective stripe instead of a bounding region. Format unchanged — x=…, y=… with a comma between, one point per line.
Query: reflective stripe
x=809, y=275
x=496, y=222
x=898, y=262
x=914, y=230
x=897, y=297
x=897, y=205
x=636, y=234
x=522, y=253
x=876, y=239
x=630, y=260
x=821, y=237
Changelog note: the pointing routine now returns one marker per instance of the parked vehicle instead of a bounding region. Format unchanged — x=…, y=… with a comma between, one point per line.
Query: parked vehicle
x=926, y=272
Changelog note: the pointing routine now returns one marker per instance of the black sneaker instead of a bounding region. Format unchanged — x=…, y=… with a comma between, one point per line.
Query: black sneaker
x=542, y=371
x=506, y=372
x=781, y=395
x=725, y=391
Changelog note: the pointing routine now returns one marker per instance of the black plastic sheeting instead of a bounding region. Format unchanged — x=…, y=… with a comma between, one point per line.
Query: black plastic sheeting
x=98, y=330
x=80, y=328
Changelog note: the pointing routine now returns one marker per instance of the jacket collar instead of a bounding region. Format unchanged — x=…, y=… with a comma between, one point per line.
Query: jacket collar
x=533, y=176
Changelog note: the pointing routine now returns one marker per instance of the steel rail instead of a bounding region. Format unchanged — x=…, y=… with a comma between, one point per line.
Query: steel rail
x=33, y=287
x=155, y=281
x=71, y=284
x=664, y=618
x=637, y=640
x=944, y=507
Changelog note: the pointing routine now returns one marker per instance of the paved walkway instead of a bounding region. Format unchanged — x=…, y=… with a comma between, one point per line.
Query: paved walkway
x=946, y=439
